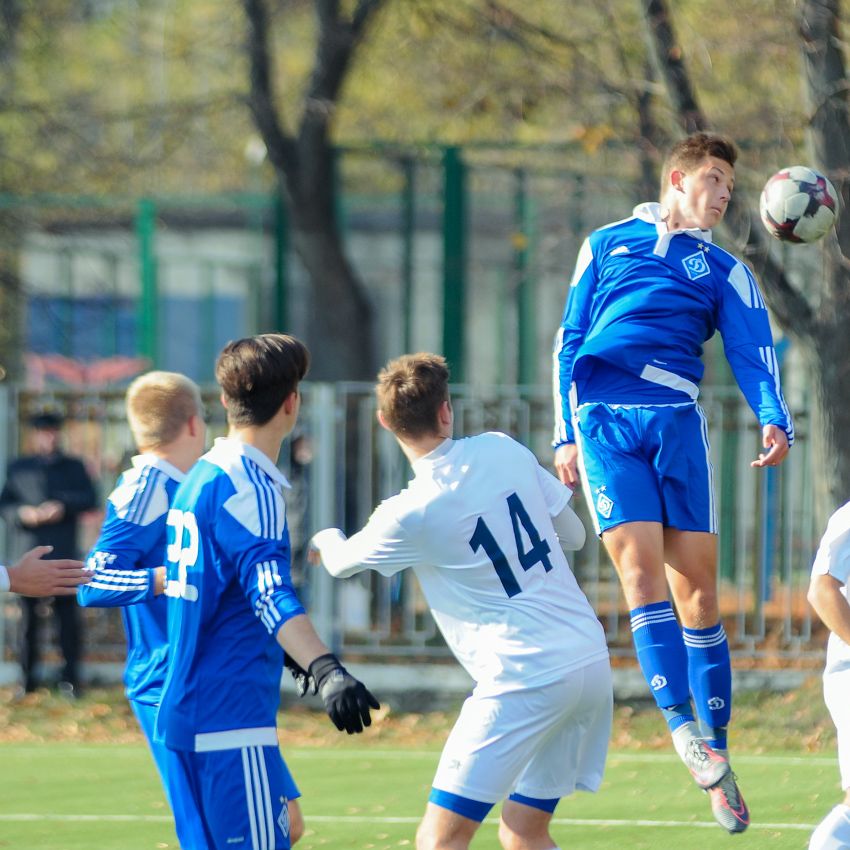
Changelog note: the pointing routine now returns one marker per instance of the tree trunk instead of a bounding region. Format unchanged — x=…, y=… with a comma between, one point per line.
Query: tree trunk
x=340, y=334
x=831, y=420
x=11, y=328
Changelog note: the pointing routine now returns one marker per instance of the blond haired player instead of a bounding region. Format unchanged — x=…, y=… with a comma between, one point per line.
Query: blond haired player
x=165, y=414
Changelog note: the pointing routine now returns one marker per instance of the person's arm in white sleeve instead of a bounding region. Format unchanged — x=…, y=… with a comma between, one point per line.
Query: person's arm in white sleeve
x=383, y=544
x=830, y=572
x=830, y=604
x=569, y=528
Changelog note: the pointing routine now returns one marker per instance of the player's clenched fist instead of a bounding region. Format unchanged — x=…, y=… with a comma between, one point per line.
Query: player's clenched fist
x=347, y=700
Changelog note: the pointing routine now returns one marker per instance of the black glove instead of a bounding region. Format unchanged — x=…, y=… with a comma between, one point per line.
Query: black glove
x=304, y=682
x=347, y=701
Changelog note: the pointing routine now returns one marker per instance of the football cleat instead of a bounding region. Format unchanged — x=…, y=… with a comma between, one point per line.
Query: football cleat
x=728, y=806
x=707, y=767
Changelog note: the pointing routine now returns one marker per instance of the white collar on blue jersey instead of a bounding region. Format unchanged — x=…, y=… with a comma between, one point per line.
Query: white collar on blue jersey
x=654, y=213
x=149, y=459
x=230, y=445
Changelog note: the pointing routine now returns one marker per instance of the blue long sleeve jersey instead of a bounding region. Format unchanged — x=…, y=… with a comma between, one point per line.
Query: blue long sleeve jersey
x=229, y=591
x=131, y=544
x=642, y=302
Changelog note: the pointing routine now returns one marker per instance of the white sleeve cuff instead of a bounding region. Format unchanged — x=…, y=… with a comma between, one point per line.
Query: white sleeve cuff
x=5, y=581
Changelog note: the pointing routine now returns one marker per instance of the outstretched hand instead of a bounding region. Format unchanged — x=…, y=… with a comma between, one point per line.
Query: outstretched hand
x=35, y=576
x=775, y=440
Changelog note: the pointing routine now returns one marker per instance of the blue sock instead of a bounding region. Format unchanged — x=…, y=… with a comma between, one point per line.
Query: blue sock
x=710, y=676
x=663, y=660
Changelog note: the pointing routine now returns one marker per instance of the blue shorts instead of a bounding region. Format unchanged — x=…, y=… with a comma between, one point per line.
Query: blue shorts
x=242, y=795
x=646, y=464
x=187, y=820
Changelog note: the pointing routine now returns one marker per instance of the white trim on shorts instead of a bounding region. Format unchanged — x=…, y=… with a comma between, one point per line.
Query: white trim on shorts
x=236, y=739
x=258, y=797
x=712, y=498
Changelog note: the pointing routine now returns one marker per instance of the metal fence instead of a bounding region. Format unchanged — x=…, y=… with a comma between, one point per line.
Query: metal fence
x=342, y=464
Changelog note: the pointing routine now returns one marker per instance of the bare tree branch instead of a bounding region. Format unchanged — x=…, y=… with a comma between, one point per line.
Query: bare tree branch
x=670, y=59
x=280, y=146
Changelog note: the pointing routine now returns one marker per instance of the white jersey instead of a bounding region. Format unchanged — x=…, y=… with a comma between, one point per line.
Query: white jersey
x=475, y=524
x=833, y=558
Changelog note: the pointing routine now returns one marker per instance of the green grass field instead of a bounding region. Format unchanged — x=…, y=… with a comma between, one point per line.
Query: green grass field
x=66, y=784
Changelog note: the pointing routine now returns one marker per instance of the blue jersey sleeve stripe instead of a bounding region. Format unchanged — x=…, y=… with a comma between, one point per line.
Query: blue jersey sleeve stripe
x=560, y=436
x=771, y=362
x=153, y=484
x=255, y=476
x=124, y=576
x=141, y=485
x=267, y=509
x=268, y=492
x=150, y=487
x=268, y=580
x=105, y=584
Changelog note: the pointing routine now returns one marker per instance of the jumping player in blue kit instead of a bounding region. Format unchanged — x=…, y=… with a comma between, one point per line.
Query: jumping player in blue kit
x=233, y=611
x=647, y=292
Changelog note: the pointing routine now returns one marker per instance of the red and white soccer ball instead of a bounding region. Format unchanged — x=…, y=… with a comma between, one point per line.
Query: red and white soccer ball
x=798, y=204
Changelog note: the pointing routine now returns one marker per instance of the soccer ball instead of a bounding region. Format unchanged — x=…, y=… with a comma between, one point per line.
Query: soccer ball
x=798, y=204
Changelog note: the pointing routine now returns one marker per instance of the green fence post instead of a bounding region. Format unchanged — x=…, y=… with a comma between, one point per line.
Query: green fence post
x=454, y=260
x=526, y=331
x=209, y=340
x=408, y=225
x=67, y=305
x=728, y=488
x=149, y=301
x=281, y=254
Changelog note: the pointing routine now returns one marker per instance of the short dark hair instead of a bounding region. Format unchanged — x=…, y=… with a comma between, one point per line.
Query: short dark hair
x=692, y=150
x=410, y=390
x=257, y=373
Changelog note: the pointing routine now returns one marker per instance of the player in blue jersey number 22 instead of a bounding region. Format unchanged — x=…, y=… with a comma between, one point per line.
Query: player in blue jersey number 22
x=232, y=610
x=647, y=292
x=482, y=526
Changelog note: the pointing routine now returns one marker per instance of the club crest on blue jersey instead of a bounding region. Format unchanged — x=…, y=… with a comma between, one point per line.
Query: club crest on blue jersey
x=604, y=505
x=696, y=265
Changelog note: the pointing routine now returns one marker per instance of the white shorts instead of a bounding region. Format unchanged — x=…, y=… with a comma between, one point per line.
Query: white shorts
x=542, y=743
x=836, y=690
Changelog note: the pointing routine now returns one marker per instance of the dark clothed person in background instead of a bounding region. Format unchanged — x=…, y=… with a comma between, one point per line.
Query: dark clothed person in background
x=42, y=499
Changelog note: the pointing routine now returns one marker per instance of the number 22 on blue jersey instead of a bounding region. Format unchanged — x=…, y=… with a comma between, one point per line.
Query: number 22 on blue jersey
x=537, y=554
x=183, y=551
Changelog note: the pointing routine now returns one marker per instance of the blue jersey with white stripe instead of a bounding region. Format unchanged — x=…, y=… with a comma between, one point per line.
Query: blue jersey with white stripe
x=230, y=590
x=642, y=302
x=131, y=544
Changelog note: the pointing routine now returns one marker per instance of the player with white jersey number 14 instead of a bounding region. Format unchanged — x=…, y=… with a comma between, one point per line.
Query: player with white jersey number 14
x=482, y=526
